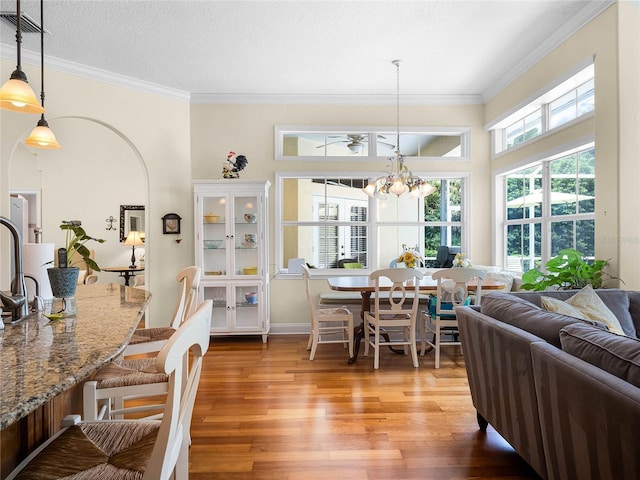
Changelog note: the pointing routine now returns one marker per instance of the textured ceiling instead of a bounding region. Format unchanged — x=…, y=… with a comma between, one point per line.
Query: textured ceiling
x=297, y=48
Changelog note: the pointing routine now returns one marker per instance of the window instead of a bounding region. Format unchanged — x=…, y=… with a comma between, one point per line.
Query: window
x=550, y=206
x=326, y=219
x=572, y=105
x=568, y=101
x=338, y=143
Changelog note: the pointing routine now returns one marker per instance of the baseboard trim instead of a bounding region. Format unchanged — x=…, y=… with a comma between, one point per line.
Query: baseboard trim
x=290, y=329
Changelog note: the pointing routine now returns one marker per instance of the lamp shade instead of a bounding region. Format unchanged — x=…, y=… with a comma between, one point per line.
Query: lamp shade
x=42, y=137
x=16, y=95
x=134, y=239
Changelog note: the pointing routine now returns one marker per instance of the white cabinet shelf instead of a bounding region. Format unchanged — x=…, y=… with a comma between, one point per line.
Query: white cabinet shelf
x=231, y=247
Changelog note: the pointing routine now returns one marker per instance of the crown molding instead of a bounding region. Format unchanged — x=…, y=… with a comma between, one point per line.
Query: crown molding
x=33, y=58
x=588, y=13
x=384, y=99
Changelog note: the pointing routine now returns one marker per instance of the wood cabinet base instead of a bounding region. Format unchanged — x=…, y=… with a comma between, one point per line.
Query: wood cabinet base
x=24, y=436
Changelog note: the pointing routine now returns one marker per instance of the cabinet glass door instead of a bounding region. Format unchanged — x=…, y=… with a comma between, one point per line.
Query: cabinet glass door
x=247, y=235
x=215, y=237
x=248, y=300
x=220, y=312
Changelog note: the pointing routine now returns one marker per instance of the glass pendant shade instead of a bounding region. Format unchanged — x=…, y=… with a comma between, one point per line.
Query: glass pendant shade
x=16, y=95
x=42, y=136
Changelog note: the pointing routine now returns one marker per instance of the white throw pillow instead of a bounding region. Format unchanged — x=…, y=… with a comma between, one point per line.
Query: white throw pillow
x=502, y=277
x=585, y=304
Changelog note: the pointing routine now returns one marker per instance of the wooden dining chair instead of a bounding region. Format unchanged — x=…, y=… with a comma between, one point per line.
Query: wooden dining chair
x=452, y=290
x=128, y=449
x=328, y=325
x=393, y=313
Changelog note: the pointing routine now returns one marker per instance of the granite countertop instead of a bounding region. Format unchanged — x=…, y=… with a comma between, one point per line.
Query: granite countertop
x=40, y=358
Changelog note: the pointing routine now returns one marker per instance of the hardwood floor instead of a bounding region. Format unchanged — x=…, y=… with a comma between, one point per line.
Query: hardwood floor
x=264, y=411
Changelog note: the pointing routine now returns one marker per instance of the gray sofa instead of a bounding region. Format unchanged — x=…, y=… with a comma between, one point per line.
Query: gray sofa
x=562, y=391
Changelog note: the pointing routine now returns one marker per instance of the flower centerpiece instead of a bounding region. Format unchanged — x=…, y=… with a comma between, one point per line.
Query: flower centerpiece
x=410, y=257
x=461, y=261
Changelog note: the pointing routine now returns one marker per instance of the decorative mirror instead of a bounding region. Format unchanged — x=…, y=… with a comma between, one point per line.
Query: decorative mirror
x=131, y=219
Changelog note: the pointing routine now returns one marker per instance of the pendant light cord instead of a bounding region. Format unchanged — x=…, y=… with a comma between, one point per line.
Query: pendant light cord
x=18, y=35
x=42, y=53
x=397, y=64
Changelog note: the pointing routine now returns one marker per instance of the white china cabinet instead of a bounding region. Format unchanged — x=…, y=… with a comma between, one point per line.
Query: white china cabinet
x=231, y=246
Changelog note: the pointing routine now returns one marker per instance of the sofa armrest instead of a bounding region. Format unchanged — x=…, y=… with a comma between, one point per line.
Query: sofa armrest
x=590, y=419
x=500, y=372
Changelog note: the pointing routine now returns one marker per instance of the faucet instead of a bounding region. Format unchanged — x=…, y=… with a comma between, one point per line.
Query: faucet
x=16, y=300
x=37, y=300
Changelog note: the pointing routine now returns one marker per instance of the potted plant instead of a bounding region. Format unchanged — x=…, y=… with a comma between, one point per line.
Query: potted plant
x=568, y=270
x=64, y=277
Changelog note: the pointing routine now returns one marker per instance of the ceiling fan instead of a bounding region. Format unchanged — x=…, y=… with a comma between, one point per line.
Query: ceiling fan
x=354, y=141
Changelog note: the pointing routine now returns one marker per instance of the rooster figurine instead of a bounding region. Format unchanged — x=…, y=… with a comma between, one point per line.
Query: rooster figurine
x=235, y=164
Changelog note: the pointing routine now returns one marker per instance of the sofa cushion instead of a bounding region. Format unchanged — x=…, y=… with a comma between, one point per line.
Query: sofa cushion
x=586, y=304
x=516, y=311
x=619, y=355
x=618, y=301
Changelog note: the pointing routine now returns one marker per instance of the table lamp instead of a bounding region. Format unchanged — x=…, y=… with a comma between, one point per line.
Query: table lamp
x=134, y=239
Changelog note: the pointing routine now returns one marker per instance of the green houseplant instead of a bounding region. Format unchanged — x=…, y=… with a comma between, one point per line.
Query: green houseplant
x=566, y=271
x=76, y=238
x=64, y=277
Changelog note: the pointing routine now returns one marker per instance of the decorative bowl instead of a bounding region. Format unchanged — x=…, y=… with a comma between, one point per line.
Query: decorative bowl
x=211, y=218
x=251, y=298
x=250, y=217
x=250, y=270
x=213, y=243
x=214, y=272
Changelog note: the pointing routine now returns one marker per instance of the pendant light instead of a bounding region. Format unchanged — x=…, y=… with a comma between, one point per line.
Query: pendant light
x=398, y=179
x=16, y=94
x=42, y=136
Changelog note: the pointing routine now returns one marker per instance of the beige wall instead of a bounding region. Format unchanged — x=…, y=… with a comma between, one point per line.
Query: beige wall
x=167, y=143
x=250, y=130
x=120, y=146
x=613, y=40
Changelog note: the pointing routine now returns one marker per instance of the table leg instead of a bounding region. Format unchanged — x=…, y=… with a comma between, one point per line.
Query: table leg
x=126, y=276
x=358, y=330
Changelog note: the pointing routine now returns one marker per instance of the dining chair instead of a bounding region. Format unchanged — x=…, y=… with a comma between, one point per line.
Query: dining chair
x=328, y=325
x=393, y=313
x=149, y=340
x=127, y=449
x=452, y=291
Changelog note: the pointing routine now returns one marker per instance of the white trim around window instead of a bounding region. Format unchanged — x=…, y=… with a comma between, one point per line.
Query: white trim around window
x=371, y=133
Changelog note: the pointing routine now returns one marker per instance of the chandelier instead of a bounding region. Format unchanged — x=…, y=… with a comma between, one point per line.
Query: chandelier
x=398, y=179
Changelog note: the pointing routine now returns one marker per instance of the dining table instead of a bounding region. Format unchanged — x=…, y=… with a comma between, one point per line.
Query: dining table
x=366, y=286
